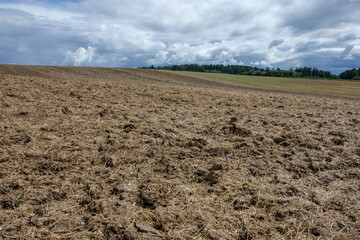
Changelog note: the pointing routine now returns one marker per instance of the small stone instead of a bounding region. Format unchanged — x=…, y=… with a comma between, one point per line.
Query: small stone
x=215, y=235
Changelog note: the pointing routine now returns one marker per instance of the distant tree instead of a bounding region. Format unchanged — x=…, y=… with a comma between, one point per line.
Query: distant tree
x=229, y=70
x=354, y=72
x=201, y=69
x=307, y=72
x=267, y=71
x=279, y=73
x=349, y=74
x=291, y=73
x=315, y=72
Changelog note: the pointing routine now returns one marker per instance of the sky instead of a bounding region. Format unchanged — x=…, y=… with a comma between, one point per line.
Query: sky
x=133, y=33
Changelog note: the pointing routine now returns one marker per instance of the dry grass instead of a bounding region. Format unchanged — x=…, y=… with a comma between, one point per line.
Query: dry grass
x=295, y=84
x=92, y=153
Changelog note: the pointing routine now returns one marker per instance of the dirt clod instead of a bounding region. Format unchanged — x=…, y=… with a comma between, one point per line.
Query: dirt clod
x=7, y=204
x=240, y=205
x=338, y=141
x=239, y=131
x=65, y=110
x=148, y=198
x=278, y=139
x=143, y=231
x=108, y=161
x=216, y=167
x=95, y=207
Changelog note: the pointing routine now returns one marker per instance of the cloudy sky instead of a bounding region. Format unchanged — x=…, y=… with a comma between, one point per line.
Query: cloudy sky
x=132, y=33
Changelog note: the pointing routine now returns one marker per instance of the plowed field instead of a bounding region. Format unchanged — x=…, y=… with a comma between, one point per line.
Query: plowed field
x=106, y=153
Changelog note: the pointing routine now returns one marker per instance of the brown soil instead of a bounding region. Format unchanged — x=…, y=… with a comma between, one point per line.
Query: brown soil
x=105, y=153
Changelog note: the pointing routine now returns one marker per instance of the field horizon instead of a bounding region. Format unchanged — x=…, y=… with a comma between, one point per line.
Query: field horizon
x=294, y=85
x=114, y=153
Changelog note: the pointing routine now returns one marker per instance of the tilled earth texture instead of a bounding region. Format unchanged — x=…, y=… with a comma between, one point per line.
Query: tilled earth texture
x=106, y=153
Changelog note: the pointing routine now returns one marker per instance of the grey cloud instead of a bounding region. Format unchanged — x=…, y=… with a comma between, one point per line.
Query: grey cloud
x=276, y=43
x=27, y=39
x=309, y=16
x=307, y=46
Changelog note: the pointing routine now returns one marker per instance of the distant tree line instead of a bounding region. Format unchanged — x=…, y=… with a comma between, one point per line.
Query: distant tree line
x=299, y=72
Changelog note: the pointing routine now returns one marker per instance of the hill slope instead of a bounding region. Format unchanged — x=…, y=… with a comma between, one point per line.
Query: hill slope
x=139, y=154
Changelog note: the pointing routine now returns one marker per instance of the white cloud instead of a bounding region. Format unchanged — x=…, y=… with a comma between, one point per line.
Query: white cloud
x=354, y=53
x=159, y=59
x=81, y=56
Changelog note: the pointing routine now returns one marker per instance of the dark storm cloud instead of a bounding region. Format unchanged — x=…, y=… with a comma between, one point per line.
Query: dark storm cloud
x=138, y=33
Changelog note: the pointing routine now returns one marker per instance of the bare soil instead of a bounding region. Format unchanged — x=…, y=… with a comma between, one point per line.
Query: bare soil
x=106, y=153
